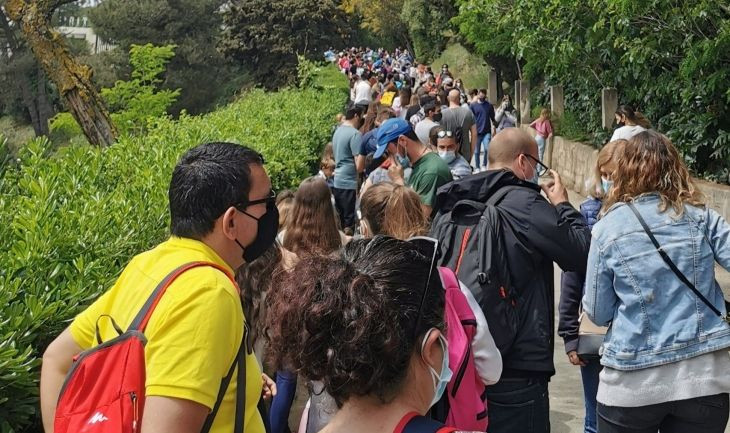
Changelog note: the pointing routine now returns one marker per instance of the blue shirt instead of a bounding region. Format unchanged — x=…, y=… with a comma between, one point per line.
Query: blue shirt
x=346, y=143
x=369, y=142
x=483, y=112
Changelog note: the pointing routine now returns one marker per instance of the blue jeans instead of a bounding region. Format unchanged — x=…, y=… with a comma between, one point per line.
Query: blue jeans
x=482, y=143
x=286, y=388
x=519, y=405
x=540, y=145
x=589, y=374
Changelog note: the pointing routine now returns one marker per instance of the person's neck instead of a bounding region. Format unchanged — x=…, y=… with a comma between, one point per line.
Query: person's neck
x=349, y=123
x=417, y=153
x=453, y=104
x=367, y=414
x=218, y=243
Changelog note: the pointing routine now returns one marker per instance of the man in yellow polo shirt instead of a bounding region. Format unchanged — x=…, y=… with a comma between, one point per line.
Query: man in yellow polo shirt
x=221, y=211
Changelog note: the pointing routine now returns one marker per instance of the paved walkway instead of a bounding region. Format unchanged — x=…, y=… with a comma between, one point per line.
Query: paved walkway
x=566, y=392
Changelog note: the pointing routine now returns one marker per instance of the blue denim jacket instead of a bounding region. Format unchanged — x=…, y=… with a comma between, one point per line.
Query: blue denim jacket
x=655, y=319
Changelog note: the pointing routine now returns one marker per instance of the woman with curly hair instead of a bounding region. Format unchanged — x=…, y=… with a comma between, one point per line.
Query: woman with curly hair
x=368, y=324
x=651, y=275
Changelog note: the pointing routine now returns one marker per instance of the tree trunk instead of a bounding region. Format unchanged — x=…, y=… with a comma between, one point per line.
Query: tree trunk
x=45, y=110
x=72, y=78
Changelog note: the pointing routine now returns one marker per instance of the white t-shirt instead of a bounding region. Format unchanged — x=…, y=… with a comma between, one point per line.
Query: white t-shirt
x=423, y=128
x=362, y=92
x=627, y=132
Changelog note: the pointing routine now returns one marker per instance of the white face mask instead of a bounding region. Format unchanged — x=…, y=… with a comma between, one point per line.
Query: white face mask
x=447, y=155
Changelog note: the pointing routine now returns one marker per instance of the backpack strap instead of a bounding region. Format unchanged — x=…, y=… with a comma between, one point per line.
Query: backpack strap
x=140, y=321
x=448, y=278
x=415, y=423
x=497, y=196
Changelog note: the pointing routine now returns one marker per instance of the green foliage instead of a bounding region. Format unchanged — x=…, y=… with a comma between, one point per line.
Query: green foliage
x=427, y=23
x=64, y=127
x=72, y=222
x=266, y=36
x=135, y=102
x=204, y=76
x=469, y=67
x=669, y=59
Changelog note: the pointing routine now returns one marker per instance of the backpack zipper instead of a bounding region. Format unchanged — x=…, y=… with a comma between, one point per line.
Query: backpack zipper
x=133, y=396
x=462, y=370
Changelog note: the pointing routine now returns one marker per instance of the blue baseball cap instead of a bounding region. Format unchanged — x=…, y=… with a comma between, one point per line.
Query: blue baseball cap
x=389, y=131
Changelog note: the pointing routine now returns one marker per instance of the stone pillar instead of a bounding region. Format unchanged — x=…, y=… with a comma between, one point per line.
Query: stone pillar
x=516, y=101
x=609, y=104
x=492, y=89
x=557, y=103
x=525, y=101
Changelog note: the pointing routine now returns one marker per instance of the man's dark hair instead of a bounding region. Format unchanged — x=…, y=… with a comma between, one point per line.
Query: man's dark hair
x=483, y=91
x=473, y=92
x=365, y=75
x=206, y=181
x=352, y=112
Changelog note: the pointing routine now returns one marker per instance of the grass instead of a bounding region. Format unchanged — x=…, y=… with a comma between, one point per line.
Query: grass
x=17, y=134
x=471, y=68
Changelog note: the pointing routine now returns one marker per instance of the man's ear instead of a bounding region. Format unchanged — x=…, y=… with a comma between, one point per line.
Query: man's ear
x=228, y=223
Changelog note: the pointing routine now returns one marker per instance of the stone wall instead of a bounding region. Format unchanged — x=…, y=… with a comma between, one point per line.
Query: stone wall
x=576, y=161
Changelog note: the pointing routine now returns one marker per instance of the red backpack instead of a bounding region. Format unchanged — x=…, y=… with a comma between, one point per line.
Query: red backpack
x=104, y=391
x=465, y=404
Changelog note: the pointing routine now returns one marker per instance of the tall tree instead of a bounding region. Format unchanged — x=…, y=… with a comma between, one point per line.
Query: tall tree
x=383, y=18
x=428, y=22
x=267, y=35
x=193, y=26
x=29, y=79
x=72, y=78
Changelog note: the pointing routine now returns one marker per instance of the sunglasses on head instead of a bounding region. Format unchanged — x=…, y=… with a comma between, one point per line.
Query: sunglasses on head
x=444, y=134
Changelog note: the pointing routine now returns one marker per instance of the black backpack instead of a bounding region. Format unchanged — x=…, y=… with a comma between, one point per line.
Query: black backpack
x=472, y=245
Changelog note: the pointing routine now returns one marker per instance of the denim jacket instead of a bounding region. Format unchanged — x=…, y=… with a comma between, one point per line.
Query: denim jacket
x=655, y=319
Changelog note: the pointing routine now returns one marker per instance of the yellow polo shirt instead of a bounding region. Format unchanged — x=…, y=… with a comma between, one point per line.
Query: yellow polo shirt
x=192, y=336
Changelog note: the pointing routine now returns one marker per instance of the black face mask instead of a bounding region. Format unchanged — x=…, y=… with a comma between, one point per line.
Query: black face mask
x=620, y=124
x=437, y=117
x=268, y=226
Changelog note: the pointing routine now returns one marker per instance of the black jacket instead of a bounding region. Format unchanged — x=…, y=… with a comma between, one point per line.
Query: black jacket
x=536, y=235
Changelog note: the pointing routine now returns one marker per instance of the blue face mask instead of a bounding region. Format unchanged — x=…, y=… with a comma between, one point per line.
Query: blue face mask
x=606, y=184
x=404, y=161
x=441, y=379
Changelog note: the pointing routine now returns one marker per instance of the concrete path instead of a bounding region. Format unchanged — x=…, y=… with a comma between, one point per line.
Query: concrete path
x=566, y=392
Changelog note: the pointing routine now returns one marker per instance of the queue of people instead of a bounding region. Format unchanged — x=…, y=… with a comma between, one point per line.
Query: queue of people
x=411, y=291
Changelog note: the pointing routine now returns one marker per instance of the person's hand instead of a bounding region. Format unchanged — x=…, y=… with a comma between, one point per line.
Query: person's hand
x=554, y=189
x=396, y=171
x=269, y=387
x=575, y=359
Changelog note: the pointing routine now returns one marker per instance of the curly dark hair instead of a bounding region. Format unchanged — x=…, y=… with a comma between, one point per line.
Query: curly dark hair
x=349, y=320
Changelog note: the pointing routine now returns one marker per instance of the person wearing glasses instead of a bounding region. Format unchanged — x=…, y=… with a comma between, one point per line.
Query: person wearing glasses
x=397, y=139
x=222, y=212
x=448, y=150
x=536, y=232
x=368, y=324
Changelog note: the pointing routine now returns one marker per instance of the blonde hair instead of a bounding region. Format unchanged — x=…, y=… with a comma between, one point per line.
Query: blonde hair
x=284, y=203
x=545, y=114
x=649, y=163
x=393, y=210
x=327, y=163
x=609, y=153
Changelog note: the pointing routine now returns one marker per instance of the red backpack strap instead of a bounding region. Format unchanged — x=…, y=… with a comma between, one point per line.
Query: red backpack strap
x=143, y=317
x=415, y=423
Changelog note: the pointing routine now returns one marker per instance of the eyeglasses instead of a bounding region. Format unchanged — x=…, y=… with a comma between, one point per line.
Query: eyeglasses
x=540, y=167
x=270, y=200
x=428, y=247
x=444, y=134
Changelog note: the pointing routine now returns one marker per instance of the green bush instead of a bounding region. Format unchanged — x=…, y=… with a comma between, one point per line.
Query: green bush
x=71, y=222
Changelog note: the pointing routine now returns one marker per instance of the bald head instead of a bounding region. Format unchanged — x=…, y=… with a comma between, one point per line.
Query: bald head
x=454, y=96
x=506, y=146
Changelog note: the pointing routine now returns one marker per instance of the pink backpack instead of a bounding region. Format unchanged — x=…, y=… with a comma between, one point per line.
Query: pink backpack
x=467, y=404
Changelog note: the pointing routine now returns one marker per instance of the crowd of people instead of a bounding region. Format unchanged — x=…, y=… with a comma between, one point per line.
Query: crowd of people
x=410, y=282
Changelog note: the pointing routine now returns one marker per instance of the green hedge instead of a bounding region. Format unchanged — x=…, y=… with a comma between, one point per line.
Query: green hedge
x=72, y=220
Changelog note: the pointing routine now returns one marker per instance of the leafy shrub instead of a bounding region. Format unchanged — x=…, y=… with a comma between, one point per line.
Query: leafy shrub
x=70, y=223
x=63, y=127
x=135, y=102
